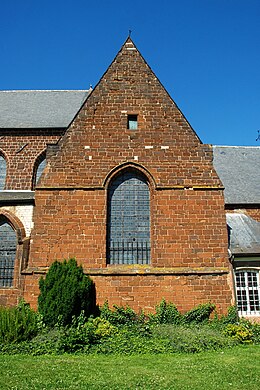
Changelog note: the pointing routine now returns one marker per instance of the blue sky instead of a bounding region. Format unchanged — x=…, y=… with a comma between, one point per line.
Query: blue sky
x=205, y=52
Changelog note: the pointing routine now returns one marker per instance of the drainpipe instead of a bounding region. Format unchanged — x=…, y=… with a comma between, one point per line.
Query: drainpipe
x=231, y=259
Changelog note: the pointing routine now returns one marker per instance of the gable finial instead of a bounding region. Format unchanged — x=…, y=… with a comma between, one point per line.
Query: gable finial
x=258, y=136
x=129, y=33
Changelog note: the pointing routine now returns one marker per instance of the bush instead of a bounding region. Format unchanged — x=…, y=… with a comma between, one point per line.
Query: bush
x=18, y=323
x=64, y=293
x=121, y=331
x=166, y=313
x=198, y=314
x=119, y=315
x=127, y=341
x=74, y=338
x=240, y=332
x=255, y=328
x=82, y=334
x=231, y=317
x=101, y=328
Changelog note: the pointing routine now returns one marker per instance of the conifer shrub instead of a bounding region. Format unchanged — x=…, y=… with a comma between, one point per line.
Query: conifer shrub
x=65, y=292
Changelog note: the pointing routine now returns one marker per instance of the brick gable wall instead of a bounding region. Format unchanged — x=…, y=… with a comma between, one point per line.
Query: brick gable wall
x=188, y=228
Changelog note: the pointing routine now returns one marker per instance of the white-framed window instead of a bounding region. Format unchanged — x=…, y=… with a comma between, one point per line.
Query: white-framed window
x=248, y=291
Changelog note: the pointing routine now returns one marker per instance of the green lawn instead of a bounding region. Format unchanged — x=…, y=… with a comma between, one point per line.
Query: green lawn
x=237, y=369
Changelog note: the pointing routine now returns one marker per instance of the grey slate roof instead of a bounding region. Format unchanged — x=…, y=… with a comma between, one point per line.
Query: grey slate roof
x=244, y=234
x=239, y=170
x=39, y=109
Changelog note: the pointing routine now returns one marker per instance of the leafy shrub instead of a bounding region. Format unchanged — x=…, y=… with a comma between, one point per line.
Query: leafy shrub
x=65, y=292
x=198, y=314
x=166, y=313
x=121, y=331
x=101, y=328
x=46, y=342
x=240, y=332
x=255, y=328
x=119, y=315
x=82, y=334
x=18, y=323
x=127, y=341
x=164, y=338
x=73, y=340
x=231, y=317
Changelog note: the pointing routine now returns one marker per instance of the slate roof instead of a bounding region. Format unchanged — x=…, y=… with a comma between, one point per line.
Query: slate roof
x=39, y=109
x=244, y=234
x=239, y=170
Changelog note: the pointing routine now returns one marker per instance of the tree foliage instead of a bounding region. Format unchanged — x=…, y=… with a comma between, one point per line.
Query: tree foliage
x=65, y=292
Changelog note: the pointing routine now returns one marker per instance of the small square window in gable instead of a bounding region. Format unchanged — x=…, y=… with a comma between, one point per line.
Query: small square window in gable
x=132, y=122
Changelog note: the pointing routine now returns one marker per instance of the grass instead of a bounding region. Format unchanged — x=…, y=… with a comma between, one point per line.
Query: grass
x=237, y=368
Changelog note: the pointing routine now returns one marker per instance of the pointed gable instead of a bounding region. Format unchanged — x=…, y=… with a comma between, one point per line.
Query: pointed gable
x=99, y=138
x=132, y=194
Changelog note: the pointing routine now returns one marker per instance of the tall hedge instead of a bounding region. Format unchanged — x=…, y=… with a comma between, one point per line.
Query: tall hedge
x=65, y=292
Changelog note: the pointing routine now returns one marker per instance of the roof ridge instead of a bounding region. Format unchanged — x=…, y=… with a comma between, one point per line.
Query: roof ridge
x=45, y=90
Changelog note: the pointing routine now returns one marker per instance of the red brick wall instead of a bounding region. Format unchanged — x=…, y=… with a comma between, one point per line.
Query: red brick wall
x=188, y=228
x=144, y=292
x=20, y=149
x=69, y=224
x=10, y=296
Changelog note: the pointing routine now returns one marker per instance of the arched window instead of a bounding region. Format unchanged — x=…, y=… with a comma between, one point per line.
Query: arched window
x=40, y=169
x=39, y=166
x=8, y=244
x=248, y=292
x=128, y=219
x=2, y=172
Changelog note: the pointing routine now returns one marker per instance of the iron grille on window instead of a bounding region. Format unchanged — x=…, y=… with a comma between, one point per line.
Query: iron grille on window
x=129, y=219
x=248, y=291
x=8, y=244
